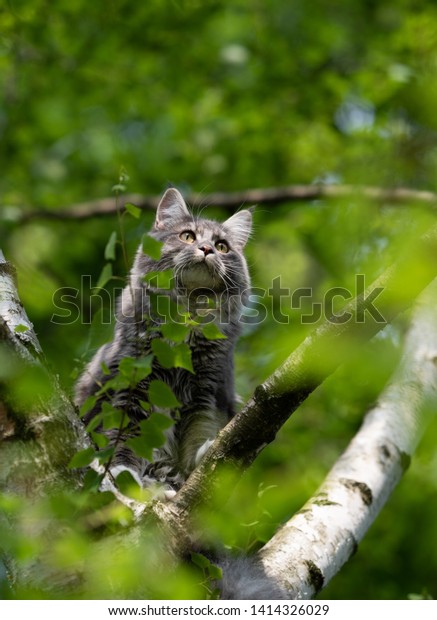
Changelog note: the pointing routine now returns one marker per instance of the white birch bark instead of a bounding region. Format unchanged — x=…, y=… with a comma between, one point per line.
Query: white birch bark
x=36, y=445
x=15, y=325
x=313, y=545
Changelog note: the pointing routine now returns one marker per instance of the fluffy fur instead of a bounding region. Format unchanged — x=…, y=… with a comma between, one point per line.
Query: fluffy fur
x=244, y=578
x=208, y=264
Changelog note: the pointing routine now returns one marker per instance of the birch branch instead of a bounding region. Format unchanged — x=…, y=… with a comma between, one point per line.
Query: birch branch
x=36, y=445
x=304, y=555
x=15, y=326
x=332, y=343
x=226, y=200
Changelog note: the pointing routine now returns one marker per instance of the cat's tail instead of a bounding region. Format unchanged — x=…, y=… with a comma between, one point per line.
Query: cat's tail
x=244, y=578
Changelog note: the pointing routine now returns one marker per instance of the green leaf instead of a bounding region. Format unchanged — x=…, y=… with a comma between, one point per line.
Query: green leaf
x=160, y=279
x=117, y=383
x=105, y=368
x=172, y=356
x=164, y=352
x=125, y=481
x=200, y=560
x=118, y=188
x=133, y=210
x=104, y=277
x=152, y=247
x=141, y=446
x=215, y=572
x=145, y=406
x=92, y=481
x=113, y=418
x=88, y=405
x=104, y=454
x=160, y=421
x=134, y=369
x=177, y=332
x=151, y=435
x=82, y=458
x=110, y=247
x=94, y=423
x=161, y=303
x=182, y=357
x=100, y=440
x=212, y=332
x=161, y=395
x=21, y=329
x=210, y=570
x=144, y=363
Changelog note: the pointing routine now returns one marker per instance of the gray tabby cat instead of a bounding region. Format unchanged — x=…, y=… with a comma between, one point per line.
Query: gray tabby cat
x=208, y=263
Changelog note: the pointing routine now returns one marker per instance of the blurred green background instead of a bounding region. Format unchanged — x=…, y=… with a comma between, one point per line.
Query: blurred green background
x=214, y=95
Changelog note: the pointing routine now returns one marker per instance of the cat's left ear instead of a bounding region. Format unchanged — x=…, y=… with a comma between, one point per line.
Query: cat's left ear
x=171, y=207
x=239, y=227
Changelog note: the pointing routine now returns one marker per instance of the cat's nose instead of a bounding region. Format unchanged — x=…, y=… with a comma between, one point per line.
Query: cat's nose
x=206, y=249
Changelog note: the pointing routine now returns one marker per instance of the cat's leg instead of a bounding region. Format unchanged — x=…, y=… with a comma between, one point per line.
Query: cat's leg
x=163, y=472
x=148, y=475
x=111, y=477
x=123, y=458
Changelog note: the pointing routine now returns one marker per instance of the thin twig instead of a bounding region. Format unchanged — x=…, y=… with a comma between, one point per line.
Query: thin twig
x=230, y=200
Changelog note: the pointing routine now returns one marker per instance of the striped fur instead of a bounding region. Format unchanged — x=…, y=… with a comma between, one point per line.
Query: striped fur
x=201, y=272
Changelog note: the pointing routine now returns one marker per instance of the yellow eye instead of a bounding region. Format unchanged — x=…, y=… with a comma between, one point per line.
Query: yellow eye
x=187, y=236
x=222, y=247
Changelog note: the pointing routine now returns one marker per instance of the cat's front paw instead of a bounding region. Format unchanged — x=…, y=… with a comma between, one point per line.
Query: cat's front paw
x=118, y=469
x=108, y=481
x=159, y=490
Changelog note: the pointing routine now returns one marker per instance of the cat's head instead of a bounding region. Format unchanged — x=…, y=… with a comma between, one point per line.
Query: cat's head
x=203, y=253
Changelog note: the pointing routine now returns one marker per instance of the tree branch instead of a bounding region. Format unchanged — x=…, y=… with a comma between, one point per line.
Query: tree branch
x=318, y=356
x=310, y=549
x=227, y=200
x=15, y=326
x=32, y=456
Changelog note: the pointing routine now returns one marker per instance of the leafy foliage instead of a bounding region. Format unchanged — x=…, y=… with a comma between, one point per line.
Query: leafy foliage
x=220, y=95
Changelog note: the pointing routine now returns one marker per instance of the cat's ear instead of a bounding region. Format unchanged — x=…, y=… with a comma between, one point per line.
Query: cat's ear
x=171, y=207
x=239, y=227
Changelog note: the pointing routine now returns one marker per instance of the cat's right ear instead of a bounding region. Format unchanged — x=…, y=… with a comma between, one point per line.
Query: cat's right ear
x=171, y=207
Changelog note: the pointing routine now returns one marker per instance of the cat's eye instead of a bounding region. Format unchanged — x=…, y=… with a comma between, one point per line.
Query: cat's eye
x=222, y=247
x=187, y=236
